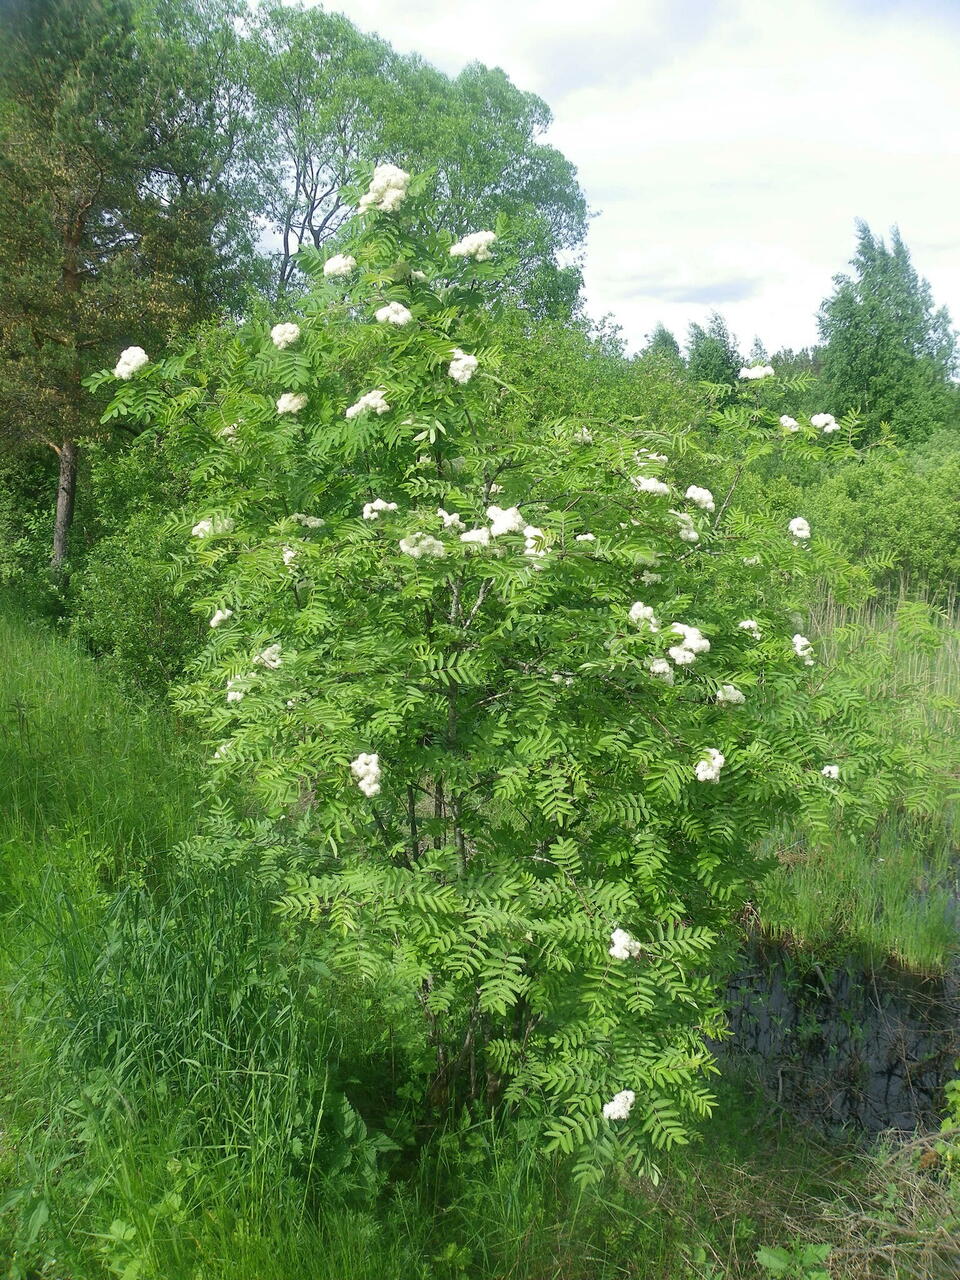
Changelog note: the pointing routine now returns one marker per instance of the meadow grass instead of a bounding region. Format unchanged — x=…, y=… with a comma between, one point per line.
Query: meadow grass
x=894, y=894
x=186, y=1095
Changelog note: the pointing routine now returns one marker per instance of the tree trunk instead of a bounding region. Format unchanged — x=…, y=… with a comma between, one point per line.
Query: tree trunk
x=66, y=493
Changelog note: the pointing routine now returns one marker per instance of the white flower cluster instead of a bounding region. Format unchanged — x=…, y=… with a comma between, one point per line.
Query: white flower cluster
x=583, y=436
x=708, y=769
x=831, y=771
x=373, y=400
x=366, y=770
x=211, y=527
x=131, y=360
x=462, y=367
x=284, y=335
x=799, y=529
x=692, y=643
x=504, y=520
x=644, y=456
x=701, y=498
x=394, y=313
x=533, y=541
x=422, y=544
x=687, y=529
x=451, y=519
x=642, y=616
x=308, y=522
x=229, y=431
x=270, y=658
x=826, y=422
x=291, y=402
x=729, y=693
x=650, y=484
x=480, y=536
x=341, y=264
x=790, y=423
x=750, y=624
x=289, y=555
x=756, y=371
x=221, y=615
x=803, y=649
x=371, y=510
x=649, y=579
x=751, y=561
x=388, y=189
x=476, y=245
x=661, y=669
x=620, y=1105
x=586, y=537
x=623, y=946
x=236, y=688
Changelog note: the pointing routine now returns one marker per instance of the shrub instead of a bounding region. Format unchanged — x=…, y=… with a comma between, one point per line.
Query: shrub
x=489, y=674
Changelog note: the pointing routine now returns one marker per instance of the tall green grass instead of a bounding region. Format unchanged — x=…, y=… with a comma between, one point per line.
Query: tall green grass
x=81, y=760
x=894, y=895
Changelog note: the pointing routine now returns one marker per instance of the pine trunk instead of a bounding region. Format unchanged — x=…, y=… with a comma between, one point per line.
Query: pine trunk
x=66, y=494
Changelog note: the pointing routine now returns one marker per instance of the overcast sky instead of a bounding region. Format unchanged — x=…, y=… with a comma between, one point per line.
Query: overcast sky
x=727, y=146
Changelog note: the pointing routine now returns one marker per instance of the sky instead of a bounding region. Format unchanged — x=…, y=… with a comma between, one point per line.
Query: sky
x=727, y=147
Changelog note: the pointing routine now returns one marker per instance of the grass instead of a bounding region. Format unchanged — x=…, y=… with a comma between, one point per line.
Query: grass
x=893, y=894
x=184, y=1095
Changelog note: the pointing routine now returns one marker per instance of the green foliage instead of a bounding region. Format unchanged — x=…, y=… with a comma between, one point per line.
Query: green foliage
x=540, y=785
x=888, y=355
x=712, y=353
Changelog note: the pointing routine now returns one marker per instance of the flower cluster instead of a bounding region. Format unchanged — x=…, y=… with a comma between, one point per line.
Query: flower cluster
x=790, y=423
x=451, y=520
x=729, y=693
x=799, y=529
x=803, y=649
x=623, y=946
x=756, y=371
x=586, y=537
x=270, y=658
x=291, y=402
x=462, y=367
x=702, y=498
x=131, y=360
x=504, y=520
x=476, y=245
x=826, y=422
x=619, y=1106
x=661, y=669
x=371, y=510
x=284, y=335
x=373, y=400
x=649, y=484
x=831, y=771
x=341, y=264
x=236, y=688
x=642, y=616
x=211, y=527
x=583, y=436
x=751, y=625
x=692, y=642
x=533, y=541
x=308, y=522
x=481, y=536
x=388, y=189
x=289, y=555
x=708, y=769
x=687, y=529
x=221, y=615
x=644, y=456
x=366, y=770
x=394, y=313
x=422, y=544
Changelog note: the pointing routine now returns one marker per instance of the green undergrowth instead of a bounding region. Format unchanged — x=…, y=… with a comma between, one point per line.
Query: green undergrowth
x=185, y=1093
x=894, y=894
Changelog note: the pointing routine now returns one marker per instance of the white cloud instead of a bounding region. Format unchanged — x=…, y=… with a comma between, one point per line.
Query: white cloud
x=728, y=145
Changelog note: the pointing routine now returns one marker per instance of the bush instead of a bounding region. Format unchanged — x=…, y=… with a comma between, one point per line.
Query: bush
x=496, y=775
